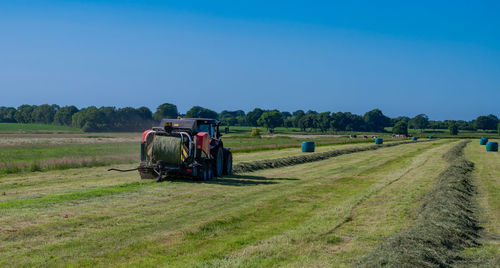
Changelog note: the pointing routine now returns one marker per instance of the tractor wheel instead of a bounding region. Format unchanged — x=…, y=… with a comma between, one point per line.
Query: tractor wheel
x=210, y=175
x=205, y=172
x=228, y=163
x=219, y=163
x=195, y=172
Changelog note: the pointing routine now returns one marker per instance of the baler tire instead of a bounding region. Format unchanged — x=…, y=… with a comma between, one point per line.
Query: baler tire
x=205, y=172
x=210, y=175
x=228, y=163
x=219, y=163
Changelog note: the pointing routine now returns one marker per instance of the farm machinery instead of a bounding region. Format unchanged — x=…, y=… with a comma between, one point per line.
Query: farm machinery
x=184, y=147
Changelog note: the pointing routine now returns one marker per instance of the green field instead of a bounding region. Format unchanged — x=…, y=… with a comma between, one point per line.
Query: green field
x=333, y=212
x=36, y=128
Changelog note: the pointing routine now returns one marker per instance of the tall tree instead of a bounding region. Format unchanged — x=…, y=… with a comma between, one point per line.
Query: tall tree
x=145, y=113
x=453, y=128
x=166, y=110
x=64, y=115
x=488, y=122
x=375, y=120
x=253, y=117
x=400, y=128
x=420, y=121
x=297, y=116
x=24, y=113
x=44, y=113
x=200, y=112
x=309, y=120
x=271, y=120
x=7, y=114
x=230, y=118
x=323, y=121
x=89, y=119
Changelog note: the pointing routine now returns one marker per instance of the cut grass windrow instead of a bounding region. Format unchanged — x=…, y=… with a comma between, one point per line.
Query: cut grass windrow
x=301, y=159
x=445, y=225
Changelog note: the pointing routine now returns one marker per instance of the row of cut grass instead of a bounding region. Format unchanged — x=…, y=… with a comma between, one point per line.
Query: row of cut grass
x=486, y=171
x=445, y=225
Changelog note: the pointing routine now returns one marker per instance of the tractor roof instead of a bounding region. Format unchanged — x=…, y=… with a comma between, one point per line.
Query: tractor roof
x=187, y=123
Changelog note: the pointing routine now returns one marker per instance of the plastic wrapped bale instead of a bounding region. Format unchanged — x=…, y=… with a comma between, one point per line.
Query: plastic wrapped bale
x=379, y=141
x=483, y=141
x=167, y=149
x=492, y=146
x=308, y=146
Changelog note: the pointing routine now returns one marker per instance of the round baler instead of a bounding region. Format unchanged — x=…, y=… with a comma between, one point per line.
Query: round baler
x=188, y=147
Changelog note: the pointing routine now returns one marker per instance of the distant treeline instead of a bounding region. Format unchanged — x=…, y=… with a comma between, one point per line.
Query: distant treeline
x=134, y=119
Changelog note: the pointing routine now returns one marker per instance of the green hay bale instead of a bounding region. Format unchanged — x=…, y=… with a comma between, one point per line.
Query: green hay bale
x=165, y=148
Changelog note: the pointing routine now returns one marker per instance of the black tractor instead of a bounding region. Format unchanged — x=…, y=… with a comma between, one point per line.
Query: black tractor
x=184, y=147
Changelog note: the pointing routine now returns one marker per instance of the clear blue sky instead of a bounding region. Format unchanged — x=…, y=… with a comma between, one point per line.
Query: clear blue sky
x=441, y=58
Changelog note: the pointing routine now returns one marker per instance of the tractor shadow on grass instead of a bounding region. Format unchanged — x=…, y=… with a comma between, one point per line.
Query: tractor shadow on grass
x=247, y=180
x=240, y=180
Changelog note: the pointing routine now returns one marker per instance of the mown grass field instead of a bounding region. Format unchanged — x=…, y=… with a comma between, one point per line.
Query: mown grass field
x=326, y=213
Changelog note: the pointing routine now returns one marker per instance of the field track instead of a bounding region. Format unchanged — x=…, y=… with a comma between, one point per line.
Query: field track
x=329, y=212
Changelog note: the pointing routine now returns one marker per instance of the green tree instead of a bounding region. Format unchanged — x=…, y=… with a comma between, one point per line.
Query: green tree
x=64, y=115
x=89, y=119
x=230, y=118
x=453, y=128
x=145, y=113
x=286, y=114
x=271, y=120
x=24, y=113
x=309, y=120
x=297, y=116
x=375, y=120
x=355, y=122
x=241, y=120
x=44, y=113
x=420, y=121
x=253, y=116
x=200, y=112
x=399, y=118
x=166, y=110
x=7, y=114
x=288, y=122
x=498, y=128
x=488, y=122
x=401, y=128
x=323, y=121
